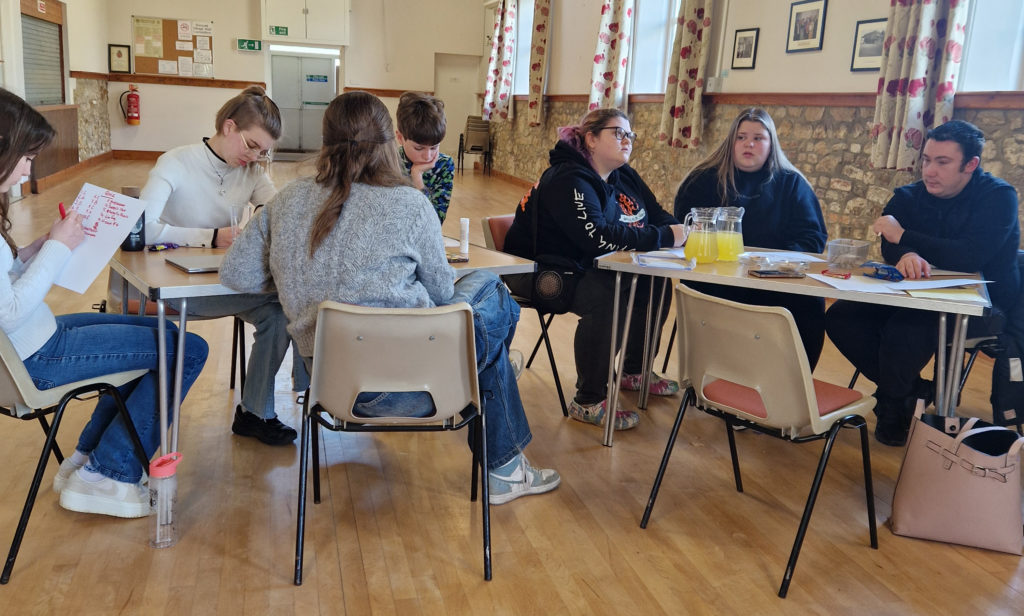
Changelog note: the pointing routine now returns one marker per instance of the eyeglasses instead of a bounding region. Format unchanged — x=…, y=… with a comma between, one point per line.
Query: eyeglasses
x=621, y=133
x=254, y=147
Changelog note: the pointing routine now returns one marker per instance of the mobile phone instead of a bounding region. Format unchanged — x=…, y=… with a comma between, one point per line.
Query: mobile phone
x=776, y=274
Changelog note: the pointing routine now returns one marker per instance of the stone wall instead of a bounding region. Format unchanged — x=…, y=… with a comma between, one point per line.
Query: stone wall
x=93, y=120
x=828, y=144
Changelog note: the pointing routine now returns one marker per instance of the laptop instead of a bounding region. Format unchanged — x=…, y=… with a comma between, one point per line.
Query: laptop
x=196, y=264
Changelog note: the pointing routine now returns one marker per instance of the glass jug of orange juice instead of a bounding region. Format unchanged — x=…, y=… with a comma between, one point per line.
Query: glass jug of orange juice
x=730, y=233
x=702, y=241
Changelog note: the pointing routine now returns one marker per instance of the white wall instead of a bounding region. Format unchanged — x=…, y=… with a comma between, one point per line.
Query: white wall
x=573, y=39
x=87, y=30
x=827, y=70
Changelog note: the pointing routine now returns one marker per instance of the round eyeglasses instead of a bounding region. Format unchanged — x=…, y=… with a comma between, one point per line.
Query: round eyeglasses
x=621, y=133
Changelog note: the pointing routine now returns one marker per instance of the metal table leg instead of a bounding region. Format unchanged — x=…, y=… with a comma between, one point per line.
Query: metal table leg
x=653, y=329
x=179, y=369
x=615, y=371
x=956, y=364
x=161, y=347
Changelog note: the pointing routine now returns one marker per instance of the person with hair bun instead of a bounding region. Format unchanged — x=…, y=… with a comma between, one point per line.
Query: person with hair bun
x=190, y=198
x=590, y=202
x=360, y=233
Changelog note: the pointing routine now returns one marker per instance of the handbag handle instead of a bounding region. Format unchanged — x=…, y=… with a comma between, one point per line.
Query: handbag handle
x=952, y=423
x=1011, y=452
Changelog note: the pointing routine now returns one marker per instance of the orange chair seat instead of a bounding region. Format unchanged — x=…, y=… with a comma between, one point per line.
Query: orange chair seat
x=829, y=397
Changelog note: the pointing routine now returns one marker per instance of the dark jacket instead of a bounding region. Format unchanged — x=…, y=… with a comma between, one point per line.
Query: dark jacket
x=580, y=216
x=781, y=213
x=975, y=231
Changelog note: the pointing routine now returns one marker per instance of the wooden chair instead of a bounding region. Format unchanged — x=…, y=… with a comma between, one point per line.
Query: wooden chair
x=495, y=229
x=746, y=365
x=360, y=349
x=19, y=398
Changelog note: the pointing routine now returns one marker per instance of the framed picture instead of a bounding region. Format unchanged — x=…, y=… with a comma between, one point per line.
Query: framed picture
x=868, y=38
x=119, y=58
x=744, y=48
x=806, y=25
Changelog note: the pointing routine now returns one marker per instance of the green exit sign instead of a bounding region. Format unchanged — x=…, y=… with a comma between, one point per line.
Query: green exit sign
x=250, y=45
x=278, y=30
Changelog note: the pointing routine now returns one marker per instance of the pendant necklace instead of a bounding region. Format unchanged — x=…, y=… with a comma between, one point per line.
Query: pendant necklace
x=213, y=163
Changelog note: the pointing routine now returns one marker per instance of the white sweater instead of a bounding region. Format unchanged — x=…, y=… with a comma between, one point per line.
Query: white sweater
x=24, y=316
x=191, y=191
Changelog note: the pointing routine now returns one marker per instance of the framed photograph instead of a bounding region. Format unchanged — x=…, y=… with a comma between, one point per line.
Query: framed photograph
x=119, y=58
x=868, y=38
x=806, y=25
x=744, y=48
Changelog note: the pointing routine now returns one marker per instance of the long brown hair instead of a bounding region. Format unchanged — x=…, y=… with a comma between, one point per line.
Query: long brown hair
x=722, y=160
x=359, y=146
x=23, y=132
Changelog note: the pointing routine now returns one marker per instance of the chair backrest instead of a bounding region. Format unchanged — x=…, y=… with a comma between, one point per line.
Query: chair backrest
x=362, y=349
x=495, y=230
x=477, y=141
x=753, y=346
x=16, y=386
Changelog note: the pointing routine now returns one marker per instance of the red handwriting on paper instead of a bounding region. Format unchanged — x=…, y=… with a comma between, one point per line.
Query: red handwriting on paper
x=101, y=209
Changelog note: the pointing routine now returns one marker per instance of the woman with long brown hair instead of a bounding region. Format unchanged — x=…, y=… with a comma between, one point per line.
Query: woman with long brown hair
x=103, y=475
x=359, y=233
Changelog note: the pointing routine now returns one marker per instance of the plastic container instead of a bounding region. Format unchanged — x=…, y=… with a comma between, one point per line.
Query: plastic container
x=762, y=262
x=163, y=494
x=845, y=254
x=136, y=239
x=464, y=236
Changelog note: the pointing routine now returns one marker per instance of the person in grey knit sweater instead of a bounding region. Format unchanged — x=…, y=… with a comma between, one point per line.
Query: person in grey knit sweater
x=359, y=233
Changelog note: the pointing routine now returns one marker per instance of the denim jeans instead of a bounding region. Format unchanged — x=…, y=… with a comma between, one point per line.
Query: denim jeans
x=494, y=324
x=90, y=345
x=269, y=345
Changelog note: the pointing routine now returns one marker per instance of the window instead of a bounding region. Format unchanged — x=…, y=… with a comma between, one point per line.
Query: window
x=994, y=59
x=524, y=34
x=654, y=32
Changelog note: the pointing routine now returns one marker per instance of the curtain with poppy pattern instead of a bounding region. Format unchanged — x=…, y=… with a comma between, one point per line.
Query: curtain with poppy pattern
x=611, y=58
x=682, y=122
x=538, y=61
x=920, y=66
x=498, y=85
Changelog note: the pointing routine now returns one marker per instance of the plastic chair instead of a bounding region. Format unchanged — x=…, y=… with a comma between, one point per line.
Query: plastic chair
x=746, y=365
x=361, y=349
x=19, y=398
x=495, y=230
x=476, y=139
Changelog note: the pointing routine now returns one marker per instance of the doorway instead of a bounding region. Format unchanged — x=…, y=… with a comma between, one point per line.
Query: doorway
x=303, y=86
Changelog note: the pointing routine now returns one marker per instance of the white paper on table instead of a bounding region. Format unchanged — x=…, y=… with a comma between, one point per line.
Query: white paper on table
x=109, y=217
x=928, y=283
x=667, y=253
x=785, y=255
x=857, y=283
x=662, y=262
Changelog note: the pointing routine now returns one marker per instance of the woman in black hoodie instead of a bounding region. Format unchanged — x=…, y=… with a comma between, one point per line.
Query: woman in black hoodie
x=590, y=202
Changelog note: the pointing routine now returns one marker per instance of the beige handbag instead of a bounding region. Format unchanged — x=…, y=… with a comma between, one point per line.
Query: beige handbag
x=960, y=483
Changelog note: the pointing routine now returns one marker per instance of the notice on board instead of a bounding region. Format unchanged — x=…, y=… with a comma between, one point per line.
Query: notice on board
x=109, y=216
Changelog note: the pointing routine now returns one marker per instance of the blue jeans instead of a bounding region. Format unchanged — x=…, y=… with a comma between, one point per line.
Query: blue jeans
x=269, y=344
x=495, y=315
x=89, y=345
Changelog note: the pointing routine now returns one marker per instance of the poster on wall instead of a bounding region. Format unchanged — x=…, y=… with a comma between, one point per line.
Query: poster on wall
x=806, y=25
x=868, y=39
x=744, y=48
x=149, y=37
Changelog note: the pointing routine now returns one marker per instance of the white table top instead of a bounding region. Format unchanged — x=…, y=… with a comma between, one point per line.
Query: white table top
x=734, y=274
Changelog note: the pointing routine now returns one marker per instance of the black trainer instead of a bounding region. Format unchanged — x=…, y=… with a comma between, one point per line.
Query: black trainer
x=269, y=431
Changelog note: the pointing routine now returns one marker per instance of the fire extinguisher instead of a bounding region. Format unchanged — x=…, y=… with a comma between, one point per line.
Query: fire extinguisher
x=131, y=113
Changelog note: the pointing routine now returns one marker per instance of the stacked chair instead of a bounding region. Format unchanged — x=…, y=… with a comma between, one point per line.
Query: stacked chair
x=476, y=139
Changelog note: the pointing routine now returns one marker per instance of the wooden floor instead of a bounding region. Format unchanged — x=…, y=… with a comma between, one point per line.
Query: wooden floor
x=397, y=534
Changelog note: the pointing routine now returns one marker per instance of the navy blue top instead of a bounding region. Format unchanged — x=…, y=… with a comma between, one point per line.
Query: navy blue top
x=780, y=212
x=975, y=231
x=580, y=216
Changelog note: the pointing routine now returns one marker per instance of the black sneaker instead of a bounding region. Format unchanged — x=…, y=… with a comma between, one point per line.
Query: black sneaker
x=269, y=431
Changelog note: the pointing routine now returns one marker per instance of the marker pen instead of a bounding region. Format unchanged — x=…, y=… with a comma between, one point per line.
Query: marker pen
x=63, y=213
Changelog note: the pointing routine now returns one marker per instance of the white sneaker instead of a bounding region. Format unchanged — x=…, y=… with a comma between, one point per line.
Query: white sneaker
x=66, y=470
x=107, y=497
x=515, y=357
x=523, y=480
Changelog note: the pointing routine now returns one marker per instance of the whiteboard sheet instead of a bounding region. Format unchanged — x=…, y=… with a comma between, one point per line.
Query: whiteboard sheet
x=109, y=217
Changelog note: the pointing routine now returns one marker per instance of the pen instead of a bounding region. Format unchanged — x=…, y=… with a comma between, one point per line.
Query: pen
x=63, y=213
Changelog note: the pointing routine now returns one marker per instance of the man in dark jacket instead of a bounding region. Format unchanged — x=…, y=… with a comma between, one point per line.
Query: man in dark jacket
x=957, y=217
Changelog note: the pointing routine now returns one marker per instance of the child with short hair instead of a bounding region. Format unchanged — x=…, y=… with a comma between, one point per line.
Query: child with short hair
x=421, y=128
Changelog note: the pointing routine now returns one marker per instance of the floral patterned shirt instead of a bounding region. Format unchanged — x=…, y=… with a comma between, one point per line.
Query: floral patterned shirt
x=437, y=182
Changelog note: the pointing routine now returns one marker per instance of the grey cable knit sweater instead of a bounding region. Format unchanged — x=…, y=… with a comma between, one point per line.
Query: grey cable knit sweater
x=385, y=250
